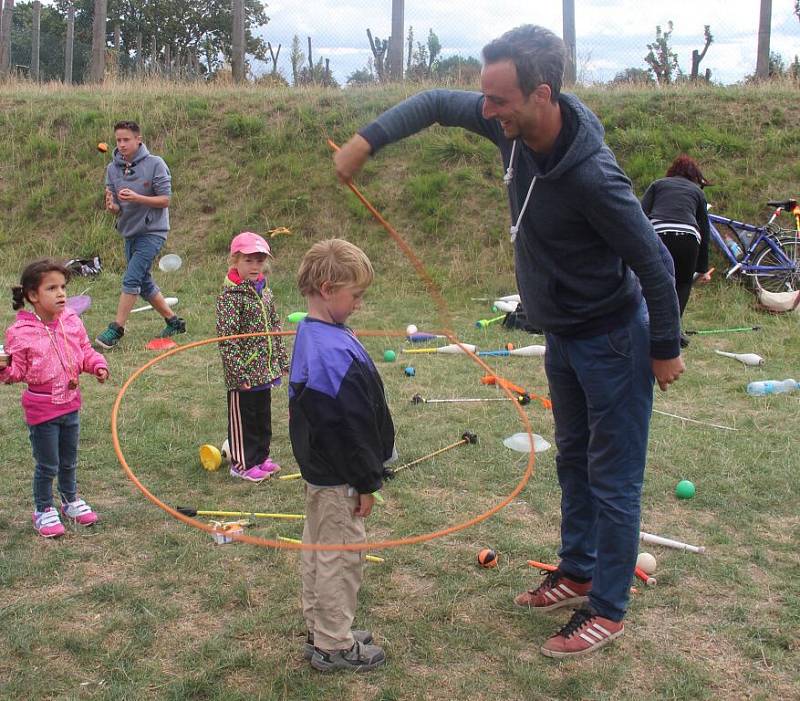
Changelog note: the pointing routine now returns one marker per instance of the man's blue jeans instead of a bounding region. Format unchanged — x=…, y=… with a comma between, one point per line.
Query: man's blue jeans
x=140, y=252
x=602, y=394
x=55, y=450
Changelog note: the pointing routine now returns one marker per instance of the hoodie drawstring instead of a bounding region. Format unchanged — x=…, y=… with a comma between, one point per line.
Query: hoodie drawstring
x=507, y=178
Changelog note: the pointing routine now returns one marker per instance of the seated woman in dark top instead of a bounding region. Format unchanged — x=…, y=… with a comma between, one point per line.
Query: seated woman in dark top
x=677, y=208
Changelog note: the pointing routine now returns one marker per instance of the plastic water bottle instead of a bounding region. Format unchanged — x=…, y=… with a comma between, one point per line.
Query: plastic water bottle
x=759, y=389
x=734, y=248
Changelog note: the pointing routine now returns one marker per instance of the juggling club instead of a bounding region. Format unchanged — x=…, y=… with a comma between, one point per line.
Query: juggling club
x=467, y=438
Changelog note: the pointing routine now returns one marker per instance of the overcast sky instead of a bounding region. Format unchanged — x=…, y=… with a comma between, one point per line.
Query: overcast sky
x=611, y=34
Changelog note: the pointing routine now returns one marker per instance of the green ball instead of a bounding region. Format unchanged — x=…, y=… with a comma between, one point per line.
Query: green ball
x=684, y=489
x=389, y=356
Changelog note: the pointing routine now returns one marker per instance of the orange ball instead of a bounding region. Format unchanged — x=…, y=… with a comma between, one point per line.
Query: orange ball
x=102, y=147
x=487, y=558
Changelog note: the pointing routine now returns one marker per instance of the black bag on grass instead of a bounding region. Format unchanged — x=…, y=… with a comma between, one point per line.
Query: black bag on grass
x=85, y=267
x=518, y=320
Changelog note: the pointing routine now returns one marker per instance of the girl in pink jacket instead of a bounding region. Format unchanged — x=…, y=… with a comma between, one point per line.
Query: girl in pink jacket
x=48, y=349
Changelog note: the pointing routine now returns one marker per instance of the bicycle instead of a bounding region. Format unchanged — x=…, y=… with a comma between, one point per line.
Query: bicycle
x=771, y=254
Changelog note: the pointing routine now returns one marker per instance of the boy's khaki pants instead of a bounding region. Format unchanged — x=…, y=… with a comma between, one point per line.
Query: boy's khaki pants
x=331, y=578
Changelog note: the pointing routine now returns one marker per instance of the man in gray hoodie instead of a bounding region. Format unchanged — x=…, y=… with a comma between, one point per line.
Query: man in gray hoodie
x=584, y=255
x=138, y=190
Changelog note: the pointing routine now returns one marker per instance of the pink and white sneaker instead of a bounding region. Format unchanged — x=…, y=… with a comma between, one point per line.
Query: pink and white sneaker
x=80, y=512
x=254, y=474
x=257, y=473
x=47, y=523
x=270, y=467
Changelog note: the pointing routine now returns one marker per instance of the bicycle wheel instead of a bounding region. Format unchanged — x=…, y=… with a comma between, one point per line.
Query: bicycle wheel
x=780, y=280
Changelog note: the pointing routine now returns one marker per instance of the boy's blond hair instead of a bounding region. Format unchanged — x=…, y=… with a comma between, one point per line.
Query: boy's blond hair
x=336, y=261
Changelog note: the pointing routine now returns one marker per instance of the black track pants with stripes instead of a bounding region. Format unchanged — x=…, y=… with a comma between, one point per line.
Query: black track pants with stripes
x=249, y=427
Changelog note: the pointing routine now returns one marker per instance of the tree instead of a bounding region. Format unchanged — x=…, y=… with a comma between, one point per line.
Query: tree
x=363, y=76
x=186, y=26
x=410, y=50
x=424, y=57
x=777, y=66
x=379, y=48
x=51, y=47
x=319, y=74
x=663, y=61
x=296, y=58
x=434, y=49
x=699, y=56
x=633, y=76
x=459, y=70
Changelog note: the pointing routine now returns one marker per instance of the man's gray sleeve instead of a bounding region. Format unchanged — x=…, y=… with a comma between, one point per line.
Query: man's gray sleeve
x=450, y=108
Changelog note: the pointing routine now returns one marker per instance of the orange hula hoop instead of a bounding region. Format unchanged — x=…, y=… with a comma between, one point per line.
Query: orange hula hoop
x=436, y=295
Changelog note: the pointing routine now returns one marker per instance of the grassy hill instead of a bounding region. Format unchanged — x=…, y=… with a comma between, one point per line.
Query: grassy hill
x=143, y=607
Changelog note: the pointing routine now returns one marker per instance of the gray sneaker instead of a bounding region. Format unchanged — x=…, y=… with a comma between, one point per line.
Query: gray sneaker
x=361, y=636
x=359, y=658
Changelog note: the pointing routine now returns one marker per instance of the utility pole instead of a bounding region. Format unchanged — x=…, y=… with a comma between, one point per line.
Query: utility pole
x=69, y=44
x=398, y=38
x=36, y=30
x=5, y=38
x=237, y=55
x=98, y=68
x=568, y=16
x=764, y=24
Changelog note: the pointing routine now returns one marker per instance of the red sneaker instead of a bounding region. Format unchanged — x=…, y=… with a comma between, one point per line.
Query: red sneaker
x=555, y=591
x=585, y=633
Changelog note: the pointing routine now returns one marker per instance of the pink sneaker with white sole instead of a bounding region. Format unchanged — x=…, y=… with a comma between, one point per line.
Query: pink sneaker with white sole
x=257, y=473
x=80, y=512
x=270, y=467
x=47, y=523
x=254, y=474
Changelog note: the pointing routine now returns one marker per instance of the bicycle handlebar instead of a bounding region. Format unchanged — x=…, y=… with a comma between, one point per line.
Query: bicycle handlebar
x=788, y=205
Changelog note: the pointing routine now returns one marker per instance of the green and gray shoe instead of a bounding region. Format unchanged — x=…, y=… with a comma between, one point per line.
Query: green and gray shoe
x=111, y=336
x=174, y=326
x=361, y=636
x=359, y=658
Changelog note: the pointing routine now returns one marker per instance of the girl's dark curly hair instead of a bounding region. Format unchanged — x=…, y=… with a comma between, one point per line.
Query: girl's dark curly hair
x=31, y=278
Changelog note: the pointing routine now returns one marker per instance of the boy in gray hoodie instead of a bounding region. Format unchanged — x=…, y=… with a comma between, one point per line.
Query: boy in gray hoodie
x=138, y=190
x=584, y=255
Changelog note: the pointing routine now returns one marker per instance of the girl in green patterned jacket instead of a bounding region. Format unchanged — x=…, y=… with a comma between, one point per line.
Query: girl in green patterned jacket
x=254, y=365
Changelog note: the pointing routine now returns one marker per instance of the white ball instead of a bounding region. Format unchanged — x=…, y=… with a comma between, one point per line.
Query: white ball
x=646, y=562
x=411, y=329
x=225, y=451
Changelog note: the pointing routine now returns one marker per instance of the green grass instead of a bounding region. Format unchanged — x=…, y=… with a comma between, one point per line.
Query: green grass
x=144, y=607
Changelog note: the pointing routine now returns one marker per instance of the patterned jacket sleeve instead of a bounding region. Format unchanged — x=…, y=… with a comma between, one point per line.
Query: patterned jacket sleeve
x=228, y=325
x=278, y=343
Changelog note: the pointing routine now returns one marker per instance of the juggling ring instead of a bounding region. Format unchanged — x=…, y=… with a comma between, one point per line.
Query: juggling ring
x=358, y=547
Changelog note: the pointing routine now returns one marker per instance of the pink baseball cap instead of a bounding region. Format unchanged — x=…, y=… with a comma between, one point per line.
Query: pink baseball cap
x=248, y=242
